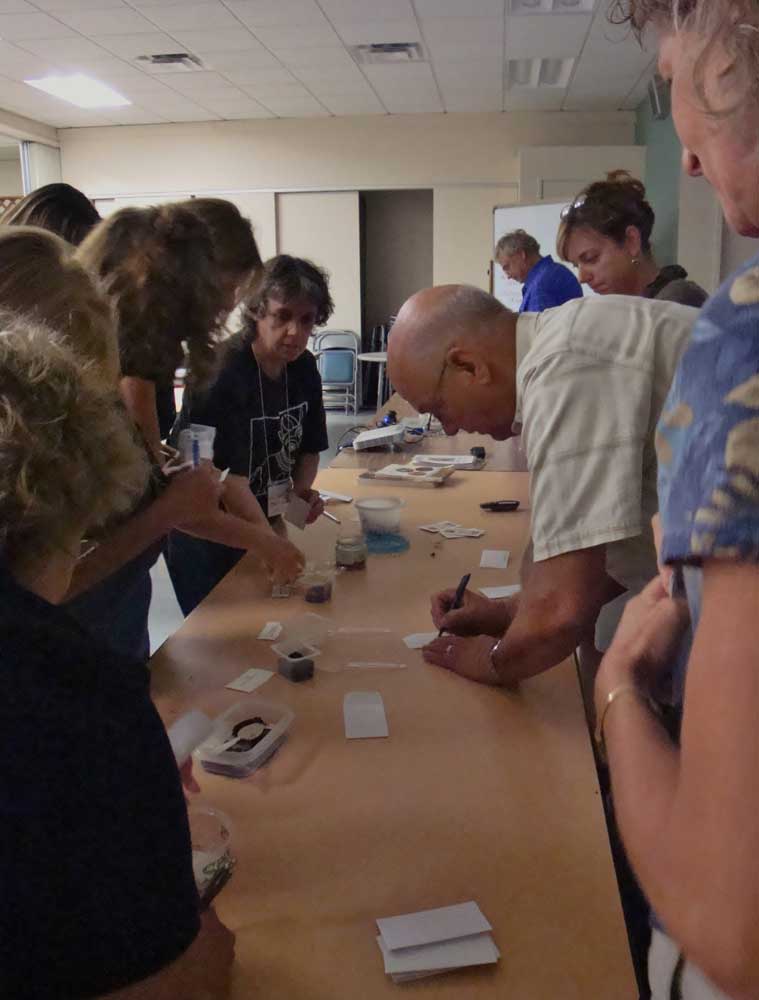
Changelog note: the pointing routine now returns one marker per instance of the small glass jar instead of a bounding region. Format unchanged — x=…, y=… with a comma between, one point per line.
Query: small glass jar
x=350, y=548
x=316, y=582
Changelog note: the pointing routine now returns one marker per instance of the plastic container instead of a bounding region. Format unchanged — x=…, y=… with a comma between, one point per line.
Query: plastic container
x=212, y=857
x=245, y=737
x=350, y=548
x=205, y=437
x=296, y=659
x=380, y=515
x=316, y=582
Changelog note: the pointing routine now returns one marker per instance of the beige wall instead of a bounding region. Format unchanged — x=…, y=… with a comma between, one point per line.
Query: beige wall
x=325, y=229
x=10, y=177
x=470, y=160
x=397, y=248
x=463, y=233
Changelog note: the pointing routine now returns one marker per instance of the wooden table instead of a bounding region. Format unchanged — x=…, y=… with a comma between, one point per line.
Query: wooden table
x=477, y=794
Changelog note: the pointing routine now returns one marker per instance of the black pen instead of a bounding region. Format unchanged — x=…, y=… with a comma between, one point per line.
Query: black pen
x=458, y=596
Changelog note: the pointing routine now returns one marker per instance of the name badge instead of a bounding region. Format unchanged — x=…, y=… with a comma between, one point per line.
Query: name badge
x=278, y=496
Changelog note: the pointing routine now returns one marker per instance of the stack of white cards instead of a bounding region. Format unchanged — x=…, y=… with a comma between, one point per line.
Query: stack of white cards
x=428, y=943
x=449, y=529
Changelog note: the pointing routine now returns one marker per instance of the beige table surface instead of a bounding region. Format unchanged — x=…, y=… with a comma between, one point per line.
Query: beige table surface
x=477, y=794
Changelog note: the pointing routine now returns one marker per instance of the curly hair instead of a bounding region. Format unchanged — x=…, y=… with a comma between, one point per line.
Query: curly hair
x=609, y=207
x=232, y=234
x=59, y=208
x=514, y=242
x=726, y=26
x=160, y=271
x=40, y=278
x=69, y=459
x=288, y=278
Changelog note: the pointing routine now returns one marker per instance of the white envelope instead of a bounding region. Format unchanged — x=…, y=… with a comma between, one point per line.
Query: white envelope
x=419, y=639
x=479, y=949
x=410, y=930
x=250, y=680
x=364, y=716
x=494, y=559
x=496, y=592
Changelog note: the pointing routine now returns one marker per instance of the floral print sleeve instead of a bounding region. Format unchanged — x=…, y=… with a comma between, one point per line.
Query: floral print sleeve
x=708, y=436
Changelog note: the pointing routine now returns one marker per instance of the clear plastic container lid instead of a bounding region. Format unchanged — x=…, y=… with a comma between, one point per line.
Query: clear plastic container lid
x=244, y=737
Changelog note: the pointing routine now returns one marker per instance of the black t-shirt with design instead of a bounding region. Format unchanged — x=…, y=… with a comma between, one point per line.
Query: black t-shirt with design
x=261, y=443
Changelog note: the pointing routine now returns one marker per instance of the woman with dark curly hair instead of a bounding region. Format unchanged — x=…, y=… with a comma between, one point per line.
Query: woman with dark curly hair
x=685, y=796
x=606, y=234
x=266, y=406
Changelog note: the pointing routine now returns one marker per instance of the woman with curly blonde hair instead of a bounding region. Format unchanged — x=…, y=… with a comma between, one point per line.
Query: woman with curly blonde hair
x=687, y=807
x=89, y=787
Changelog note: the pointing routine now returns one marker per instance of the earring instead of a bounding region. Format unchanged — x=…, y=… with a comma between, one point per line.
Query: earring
x=634, y=261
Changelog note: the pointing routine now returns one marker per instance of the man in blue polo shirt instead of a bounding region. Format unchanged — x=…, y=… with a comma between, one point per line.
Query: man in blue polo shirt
x=546, y=282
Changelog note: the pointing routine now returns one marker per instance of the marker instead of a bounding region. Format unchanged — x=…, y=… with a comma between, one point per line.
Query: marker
x=195, y=451
x=458, y=597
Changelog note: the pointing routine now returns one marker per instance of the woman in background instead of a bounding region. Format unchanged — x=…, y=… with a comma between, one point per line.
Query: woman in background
x=687, y=807
x=95, y=855
x=59, y=208
x=606, y=234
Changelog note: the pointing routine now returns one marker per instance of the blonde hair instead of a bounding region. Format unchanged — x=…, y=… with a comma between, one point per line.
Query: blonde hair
x=729, y=26
x=69, y=459
x=40, y=277
x=159, y=269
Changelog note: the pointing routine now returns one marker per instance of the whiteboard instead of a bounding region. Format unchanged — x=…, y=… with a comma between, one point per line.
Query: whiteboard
x=541, y=221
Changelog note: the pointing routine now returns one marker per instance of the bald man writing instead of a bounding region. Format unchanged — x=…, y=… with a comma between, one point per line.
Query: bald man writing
x=585, y=383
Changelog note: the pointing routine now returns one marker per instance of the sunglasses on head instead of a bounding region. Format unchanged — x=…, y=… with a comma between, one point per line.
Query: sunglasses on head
x=573, y=207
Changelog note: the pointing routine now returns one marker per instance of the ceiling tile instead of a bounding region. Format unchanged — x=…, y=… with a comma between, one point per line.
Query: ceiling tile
x=108, y=21
x=21, y=65
x=312, y=58
x=250, y=73
x=412, y=105
x=62, y=49
x=196, y=84
x=191, y=17
x=476, y=101
x=242, y=63
x=546, y=37
x=342, y=75
x=359, y=105
x=224, y=40
x=368, y=10
x=221, y=105
x=399, y=74
x=133, y=115
x=373, y=32
x=297, y=36
x=56, y=5
x=463, y=74
x=271, y=13
x=289, y=91
x=297, y=109
x=197, y=115
x=533, y=99
x=15, y=27
x=131, y=46
x=16, y=7
x=326, y=89
x=457, y=9
x=109, y=69
x=445, y=30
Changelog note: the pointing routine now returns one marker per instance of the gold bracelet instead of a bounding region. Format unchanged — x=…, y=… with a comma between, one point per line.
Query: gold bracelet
x=611, y=697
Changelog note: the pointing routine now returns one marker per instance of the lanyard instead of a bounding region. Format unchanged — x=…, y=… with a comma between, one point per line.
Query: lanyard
x=264, y=417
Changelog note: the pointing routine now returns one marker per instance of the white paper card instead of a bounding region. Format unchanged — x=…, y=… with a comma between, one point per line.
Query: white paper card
x=339, y=497
x=494, y=559
x=297, y=512
x=410, y=930
x=496, y=592
x=419, y=639
x=271, y=631
x=479, y=949
x=250, y=680
x=364, y=715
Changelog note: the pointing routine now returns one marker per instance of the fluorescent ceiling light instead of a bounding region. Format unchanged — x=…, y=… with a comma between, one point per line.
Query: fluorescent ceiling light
x=80, y=90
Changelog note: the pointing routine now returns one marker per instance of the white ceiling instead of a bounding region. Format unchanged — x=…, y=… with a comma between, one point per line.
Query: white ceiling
x=290, y=58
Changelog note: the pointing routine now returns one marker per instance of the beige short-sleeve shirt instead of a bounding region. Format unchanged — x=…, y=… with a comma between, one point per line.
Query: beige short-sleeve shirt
x=592, y=378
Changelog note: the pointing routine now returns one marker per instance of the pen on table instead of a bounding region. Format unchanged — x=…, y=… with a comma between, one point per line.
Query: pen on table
x=463, y=583
x=326, y=513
